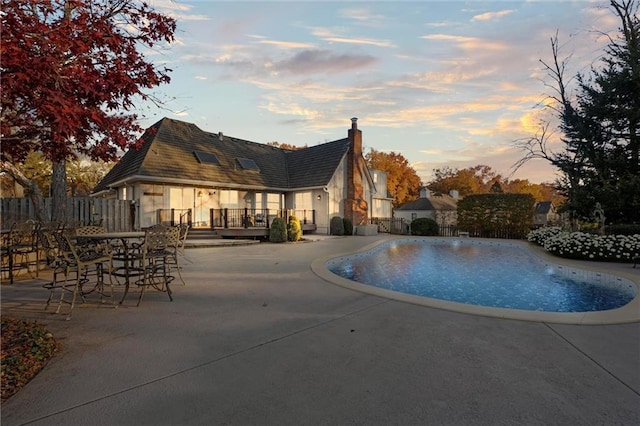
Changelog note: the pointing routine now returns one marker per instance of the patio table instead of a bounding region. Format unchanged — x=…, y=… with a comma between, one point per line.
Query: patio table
x=125, y=271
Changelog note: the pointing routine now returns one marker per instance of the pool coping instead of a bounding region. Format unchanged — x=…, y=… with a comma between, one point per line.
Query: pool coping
x=625, y=314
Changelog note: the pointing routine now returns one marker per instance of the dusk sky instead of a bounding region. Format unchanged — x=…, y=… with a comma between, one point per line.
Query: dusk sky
x=444, y=83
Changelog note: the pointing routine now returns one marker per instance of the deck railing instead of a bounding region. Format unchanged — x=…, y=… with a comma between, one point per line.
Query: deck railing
x=174, y=216
x=256, y=218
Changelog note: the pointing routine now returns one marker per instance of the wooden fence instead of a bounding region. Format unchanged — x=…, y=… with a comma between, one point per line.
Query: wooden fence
x=403, y=227
x=389, y=225
x=114, y=214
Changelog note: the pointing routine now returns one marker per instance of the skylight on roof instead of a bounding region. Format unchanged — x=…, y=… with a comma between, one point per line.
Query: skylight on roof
x=248, y=164
x=206, y=157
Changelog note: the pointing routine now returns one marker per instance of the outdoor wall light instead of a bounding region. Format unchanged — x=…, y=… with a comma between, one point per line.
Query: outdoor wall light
x=199, y=193
x=319, y=197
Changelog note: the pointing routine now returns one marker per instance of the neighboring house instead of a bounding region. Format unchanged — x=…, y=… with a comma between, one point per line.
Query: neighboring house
x=545, y=213
x=441, y=208
x=180, y=168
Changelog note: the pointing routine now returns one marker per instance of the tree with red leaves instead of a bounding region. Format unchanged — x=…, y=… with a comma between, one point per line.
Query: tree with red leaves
x=70, y=73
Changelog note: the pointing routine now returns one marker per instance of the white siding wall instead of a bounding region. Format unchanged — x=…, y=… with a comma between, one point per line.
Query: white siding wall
x=407, y=214
x=381, y=208
x=380, y=182
x=368, y=192
x=443, y=218
x=381, y=205
x=330, y=203
x=150, y=198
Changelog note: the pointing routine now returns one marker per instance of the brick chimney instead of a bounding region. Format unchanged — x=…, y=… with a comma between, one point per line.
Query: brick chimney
x=355, y=137
x=355, y=206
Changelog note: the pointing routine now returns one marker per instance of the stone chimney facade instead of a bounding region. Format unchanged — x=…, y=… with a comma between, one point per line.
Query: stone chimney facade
x=355, y=206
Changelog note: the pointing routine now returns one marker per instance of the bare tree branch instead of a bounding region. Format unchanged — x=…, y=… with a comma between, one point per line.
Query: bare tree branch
x=534, y=147
x=30, y=187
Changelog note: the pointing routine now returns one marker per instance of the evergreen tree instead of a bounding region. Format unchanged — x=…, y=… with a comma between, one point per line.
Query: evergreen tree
x=600, y=161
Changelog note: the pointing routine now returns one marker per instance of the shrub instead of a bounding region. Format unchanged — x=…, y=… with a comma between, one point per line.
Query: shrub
x=424, y=226
x=294, y=231
x=581, y=245
x=490, y=215
x=540, y=235
x=623, y=229
x=336, y=226
x=348, y=226
x=278, y=231
x=586, y=246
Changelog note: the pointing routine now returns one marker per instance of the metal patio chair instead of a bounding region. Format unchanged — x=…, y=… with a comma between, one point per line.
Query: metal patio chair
x=178, y=250
x=19, y=246
x=54, y=260
x=87, y=260
x=157, y=254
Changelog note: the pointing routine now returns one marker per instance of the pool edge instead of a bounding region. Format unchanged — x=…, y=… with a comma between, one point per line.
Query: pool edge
x=628, y=313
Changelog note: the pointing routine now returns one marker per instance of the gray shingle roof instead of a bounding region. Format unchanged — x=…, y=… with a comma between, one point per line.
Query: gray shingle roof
x=543, y=207
x=168, y=147
x=314, y=166
x=432, y=203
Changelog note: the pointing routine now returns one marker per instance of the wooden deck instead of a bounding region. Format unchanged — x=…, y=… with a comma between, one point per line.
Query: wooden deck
x=255, y=232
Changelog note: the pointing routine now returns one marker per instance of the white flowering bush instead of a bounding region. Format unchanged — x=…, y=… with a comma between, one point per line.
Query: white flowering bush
x=540, y=235
x=581, y=245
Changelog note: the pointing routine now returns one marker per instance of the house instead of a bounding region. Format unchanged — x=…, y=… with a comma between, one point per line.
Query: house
x=222, y=182
x=545, y=213
x=441, y=208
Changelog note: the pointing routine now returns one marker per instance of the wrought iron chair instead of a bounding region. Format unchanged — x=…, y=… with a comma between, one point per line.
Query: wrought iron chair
x=157, y=252
x=178, y=249
x=90, y=230
x=86, y=259
x=19, y=246
x=53, y=258
x=184, y=231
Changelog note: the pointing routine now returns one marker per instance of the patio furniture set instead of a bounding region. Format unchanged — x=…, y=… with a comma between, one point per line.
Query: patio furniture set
x=89, y=259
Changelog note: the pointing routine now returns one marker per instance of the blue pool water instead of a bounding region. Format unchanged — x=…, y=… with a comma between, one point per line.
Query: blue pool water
x=492, y=275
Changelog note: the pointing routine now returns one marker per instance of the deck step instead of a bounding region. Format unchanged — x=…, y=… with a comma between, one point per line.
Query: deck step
x=202, y=234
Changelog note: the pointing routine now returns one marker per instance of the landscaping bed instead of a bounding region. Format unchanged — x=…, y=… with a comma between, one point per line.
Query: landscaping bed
x=26, y=349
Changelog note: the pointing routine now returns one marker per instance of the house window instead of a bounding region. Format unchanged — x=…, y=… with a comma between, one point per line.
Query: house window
x=259, y=204
x=248, y=164
x=303, y=201
x=228, y=198
x=414, y=216
x=273, y=202
x=206, y=157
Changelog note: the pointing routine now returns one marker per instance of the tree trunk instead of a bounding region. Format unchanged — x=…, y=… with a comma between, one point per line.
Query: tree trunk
x=59, y=192
x=31, y=189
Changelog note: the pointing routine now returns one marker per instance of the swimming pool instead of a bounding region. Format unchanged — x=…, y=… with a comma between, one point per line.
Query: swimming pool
x=480, y=273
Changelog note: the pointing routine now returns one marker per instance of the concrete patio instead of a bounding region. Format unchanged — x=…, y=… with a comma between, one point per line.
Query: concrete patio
x=257, y=338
